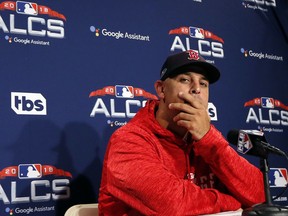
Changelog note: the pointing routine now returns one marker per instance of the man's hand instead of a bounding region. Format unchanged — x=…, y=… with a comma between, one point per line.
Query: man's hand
x=192, y=115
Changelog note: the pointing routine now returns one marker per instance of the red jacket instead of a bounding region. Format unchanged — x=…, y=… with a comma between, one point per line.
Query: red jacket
x=145, y=172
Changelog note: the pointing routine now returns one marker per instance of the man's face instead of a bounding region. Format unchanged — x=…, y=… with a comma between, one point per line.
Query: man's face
x=193, y=83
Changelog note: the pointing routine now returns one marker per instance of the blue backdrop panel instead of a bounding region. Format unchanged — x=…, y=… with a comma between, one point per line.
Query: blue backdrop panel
x=71, y=74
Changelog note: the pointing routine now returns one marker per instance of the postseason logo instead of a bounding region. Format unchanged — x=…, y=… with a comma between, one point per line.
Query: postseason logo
x=207, y=43
x=38, y=177
x=52, y=22
x=118, y=108
x=270, y=111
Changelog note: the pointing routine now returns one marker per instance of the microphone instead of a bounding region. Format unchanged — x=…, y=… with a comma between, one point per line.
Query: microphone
x=252, y=142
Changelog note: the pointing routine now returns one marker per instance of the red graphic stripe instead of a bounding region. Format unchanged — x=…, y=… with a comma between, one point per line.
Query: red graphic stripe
x=48, y=11
x=181, y=30
x=209, y=34
x=10, y=5
x=12, y=171
x=143, y=93
x=186, y=31
x=253, y=102
x=257, y=102
x=110, y=90
x=52, y=170
x=278, y=103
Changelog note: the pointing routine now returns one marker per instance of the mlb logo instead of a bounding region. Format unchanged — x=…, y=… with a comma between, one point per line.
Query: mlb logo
x=244, y=144
x=267, y=102
x=29, y=171
x=123, y=91
x=29, y=8
x=278, y=177
x=196, y=32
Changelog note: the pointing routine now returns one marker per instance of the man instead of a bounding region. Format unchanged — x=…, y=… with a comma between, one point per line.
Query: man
x=169, y=159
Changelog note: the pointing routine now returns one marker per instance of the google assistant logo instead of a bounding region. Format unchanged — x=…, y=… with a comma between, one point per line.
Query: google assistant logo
x=245, y=52
x=9, y=39
x=9, y=211
x=94, y=30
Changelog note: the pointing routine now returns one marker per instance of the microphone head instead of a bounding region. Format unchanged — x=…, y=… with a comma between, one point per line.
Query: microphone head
x=248, y=142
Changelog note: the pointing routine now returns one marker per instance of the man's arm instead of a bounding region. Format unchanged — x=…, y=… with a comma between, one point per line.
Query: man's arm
x=243, y=180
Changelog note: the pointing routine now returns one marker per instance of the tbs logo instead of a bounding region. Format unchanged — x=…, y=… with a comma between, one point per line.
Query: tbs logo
x=24, y=103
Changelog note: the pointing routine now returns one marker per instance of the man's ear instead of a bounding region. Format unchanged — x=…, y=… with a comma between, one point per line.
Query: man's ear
x=159, y=88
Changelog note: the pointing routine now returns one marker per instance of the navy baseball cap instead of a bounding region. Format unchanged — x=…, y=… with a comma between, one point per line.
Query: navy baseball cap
x=188, y=61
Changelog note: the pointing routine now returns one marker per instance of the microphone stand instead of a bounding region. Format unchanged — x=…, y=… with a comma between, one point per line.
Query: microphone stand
x=267, y=208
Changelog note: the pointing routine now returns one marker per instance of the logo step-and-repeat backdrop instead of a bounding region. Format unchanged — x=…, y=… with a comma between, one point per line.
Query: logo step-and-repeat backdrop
x=71, y=74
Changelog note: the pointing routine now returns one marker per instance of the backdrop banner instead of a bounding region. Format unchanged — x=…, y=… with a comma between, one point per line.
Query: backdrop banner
x=73, y=73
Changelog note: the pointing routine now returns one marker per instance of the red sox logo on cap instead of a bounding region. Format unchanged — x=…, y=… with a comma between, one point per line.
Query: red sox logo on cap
x=193, y=55
x=189, y=60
